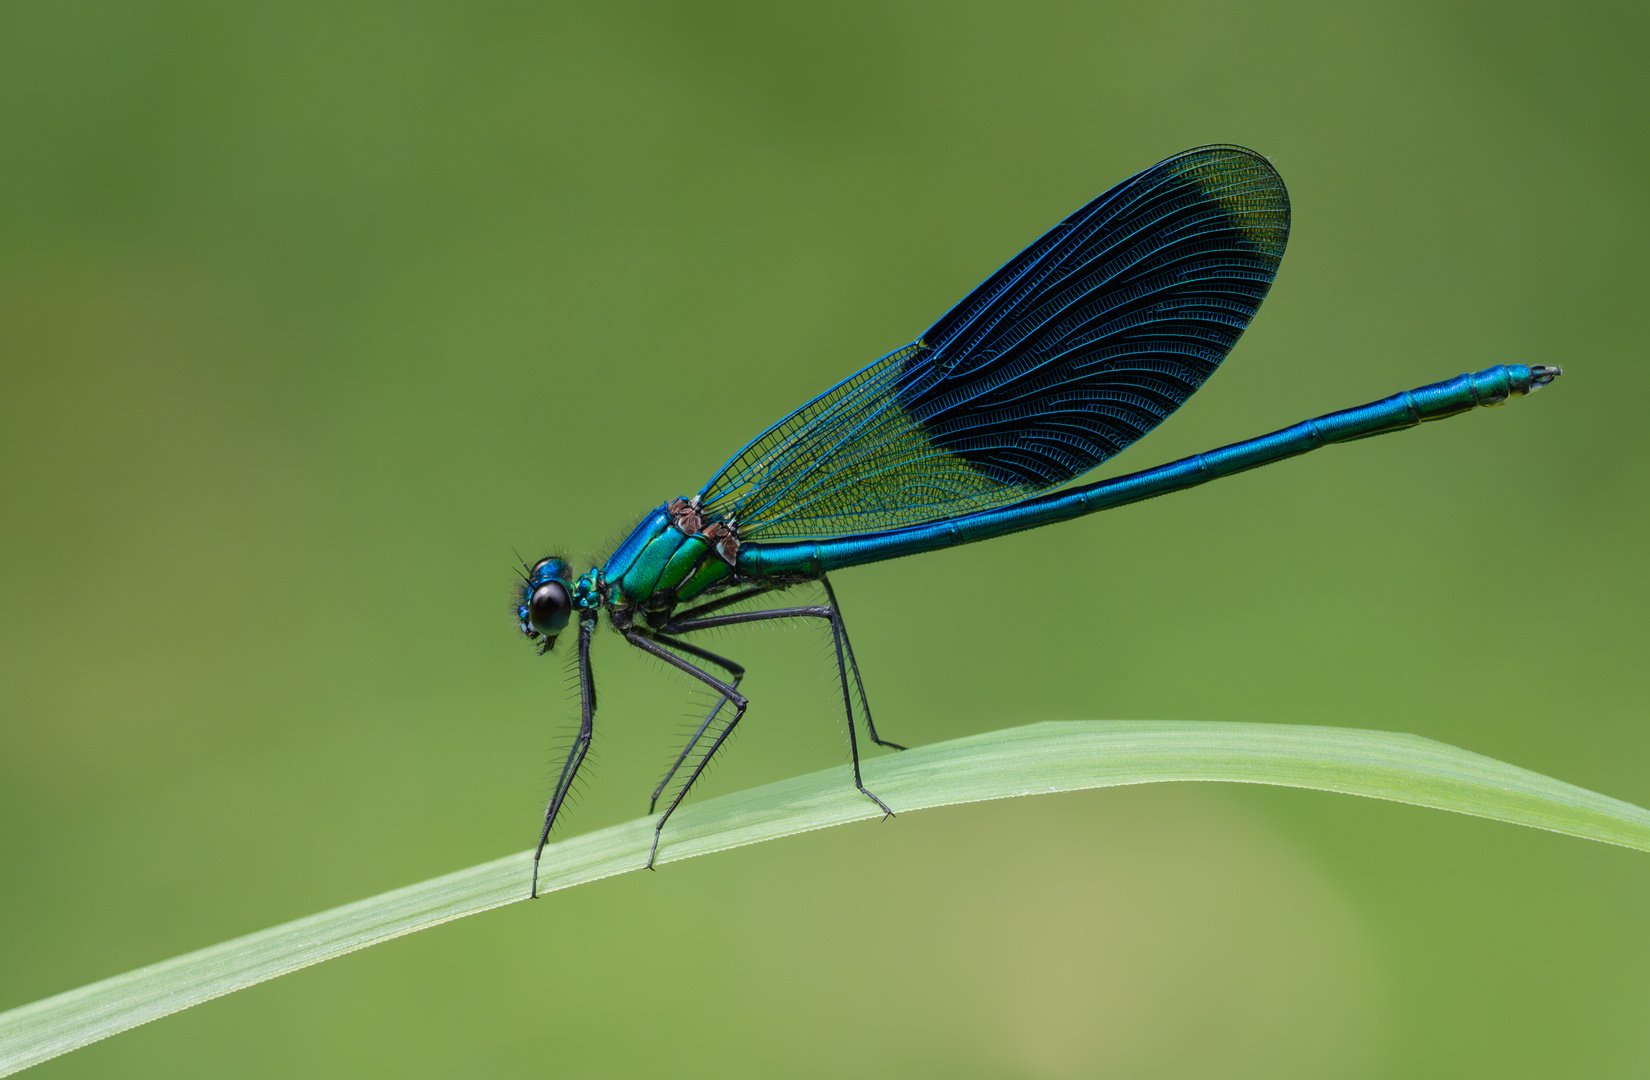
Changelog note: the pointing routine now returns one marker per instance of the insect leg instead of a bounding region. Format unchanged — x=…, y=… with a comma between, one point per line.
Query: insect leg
x=727, y=665
x=811, y=611
x=865, y=702
x=723, y=601
x=727, y=692
x=581, y=744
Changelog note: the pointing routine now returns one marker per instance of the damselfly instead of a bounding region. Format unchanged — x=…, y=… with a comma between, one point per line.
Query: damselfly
x=1083, y=343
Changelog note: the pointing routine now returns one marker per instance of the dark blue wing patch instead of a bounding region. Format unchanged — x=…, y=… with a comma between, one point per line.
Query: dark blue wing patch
x=1101, y=329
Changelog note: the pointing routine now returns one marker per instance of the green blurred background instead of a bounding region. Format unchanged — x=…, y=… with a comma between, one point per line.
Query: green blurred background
x=309, y=312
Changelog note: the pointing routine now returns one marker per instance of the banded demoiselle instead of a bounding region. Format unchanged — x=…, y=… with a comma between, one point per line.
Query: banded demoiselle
x=1077, y=347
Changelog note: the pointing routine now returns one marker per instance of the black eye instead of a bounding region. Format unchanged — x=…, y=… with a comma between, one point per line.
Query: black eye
x=548, y=608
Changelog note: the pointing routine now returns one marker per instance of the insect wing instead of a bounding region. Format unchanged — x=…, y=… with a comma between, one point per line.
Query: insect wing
x=1077, y=347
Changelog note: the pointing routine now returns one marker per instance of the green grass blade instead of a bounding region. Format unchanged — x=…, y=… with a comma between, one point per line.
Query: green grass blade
x=1019, y=761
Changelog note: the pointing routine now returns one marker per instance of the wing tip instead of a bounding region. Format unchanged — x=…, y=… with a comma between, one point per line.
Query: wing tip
x=1247, y=186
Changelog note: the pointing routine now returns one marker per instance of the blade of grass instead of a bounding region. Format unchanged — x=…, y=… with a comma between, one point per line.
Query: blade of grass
x=1031, y=760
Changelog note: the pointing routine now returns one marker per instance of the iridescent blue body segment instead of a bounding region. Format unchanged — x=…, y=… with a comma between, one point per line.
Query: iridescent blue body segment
x=626, y=553
x=1076, y=348
x=1493, y=386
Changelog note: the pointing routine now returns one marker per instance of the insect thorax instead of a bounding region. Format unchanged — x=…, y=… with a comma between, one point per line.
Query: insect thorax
x=673, y=556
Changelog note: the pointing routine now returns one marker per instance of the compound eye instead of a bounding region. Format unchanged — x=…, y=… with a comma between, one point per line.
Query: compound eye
x=549, y=607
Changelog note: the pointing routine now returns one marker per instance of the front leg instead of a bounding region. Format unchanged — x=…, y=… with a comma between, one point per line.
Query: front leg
x=581, y=744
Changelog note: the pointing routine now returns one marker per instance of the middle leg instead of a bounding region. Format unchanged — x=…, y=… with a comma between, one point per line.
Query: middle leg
x=735, y=670
x=838, y=638
x=728, y=693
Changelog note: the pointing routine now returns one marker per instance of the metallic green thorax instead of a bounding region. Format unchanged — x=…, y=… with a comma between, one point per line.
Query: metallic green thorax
x=673, y=555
